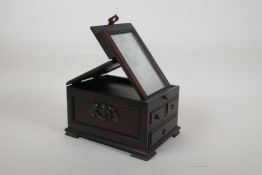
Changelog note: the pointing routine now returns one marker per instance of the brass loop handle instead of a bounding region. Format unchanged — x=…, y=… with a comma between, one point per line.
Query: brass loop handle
x=103, y=116
x=113, y=19
x=104, y=112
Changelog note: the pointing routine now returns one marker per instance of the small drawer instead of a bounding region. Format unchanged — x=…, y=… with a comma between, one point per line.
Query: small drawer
x=157, y=116
x=172, y=107
x=163, y=131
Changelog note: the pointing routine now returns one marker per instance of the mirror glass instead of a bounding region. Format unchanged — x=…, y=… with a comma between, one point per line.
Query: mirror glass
x=138, y=62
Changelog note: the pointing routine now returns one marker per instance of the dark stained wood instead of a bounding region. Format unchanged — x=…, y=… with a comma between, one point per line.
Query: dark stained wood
x=128, y=125
x=116, y=111
x=162, y=131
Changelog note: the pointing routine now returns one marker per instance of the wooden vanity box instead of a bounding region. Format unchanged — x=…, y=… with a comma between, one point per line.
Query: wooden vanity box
x=136, y=114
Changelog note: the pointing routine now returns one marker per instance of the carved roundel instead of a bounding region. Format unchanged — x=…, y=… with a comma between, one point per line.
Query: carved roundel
x=104, y=112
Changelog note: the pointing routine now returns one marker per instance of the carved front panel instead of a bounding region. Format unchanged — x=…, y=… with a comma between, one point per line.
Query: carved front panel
x=107, y=116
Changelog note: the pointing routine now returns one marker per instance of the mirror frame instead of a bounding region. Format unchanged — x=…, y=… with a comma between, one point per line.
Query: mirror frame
x=103, y=35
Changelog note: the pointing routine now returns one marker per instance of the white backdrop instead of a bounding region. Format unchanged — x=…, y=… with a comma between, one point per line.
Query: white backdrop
x=211, y=48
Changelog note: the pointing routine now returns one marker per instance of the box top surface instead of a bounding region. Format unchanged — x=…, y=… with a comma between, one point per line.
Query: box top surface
x=111, y=85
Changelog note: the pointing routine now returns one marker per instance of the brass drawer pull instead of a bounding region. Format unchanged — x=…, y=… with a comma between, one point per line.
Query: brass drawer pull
x=164, y=131
x=157, y=117
x=165, y=97
x=104, y=112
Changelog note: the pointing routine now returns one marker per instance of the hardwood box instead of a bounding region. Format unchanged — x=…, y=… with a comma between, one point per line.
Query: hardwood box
x=111, y=110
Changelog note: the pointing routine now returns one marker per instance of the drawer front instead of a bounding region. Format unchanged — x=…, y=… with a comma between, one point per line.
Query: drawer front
x=107, y=116
x=172, y=107
x=157, y=116
x=163, y=131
